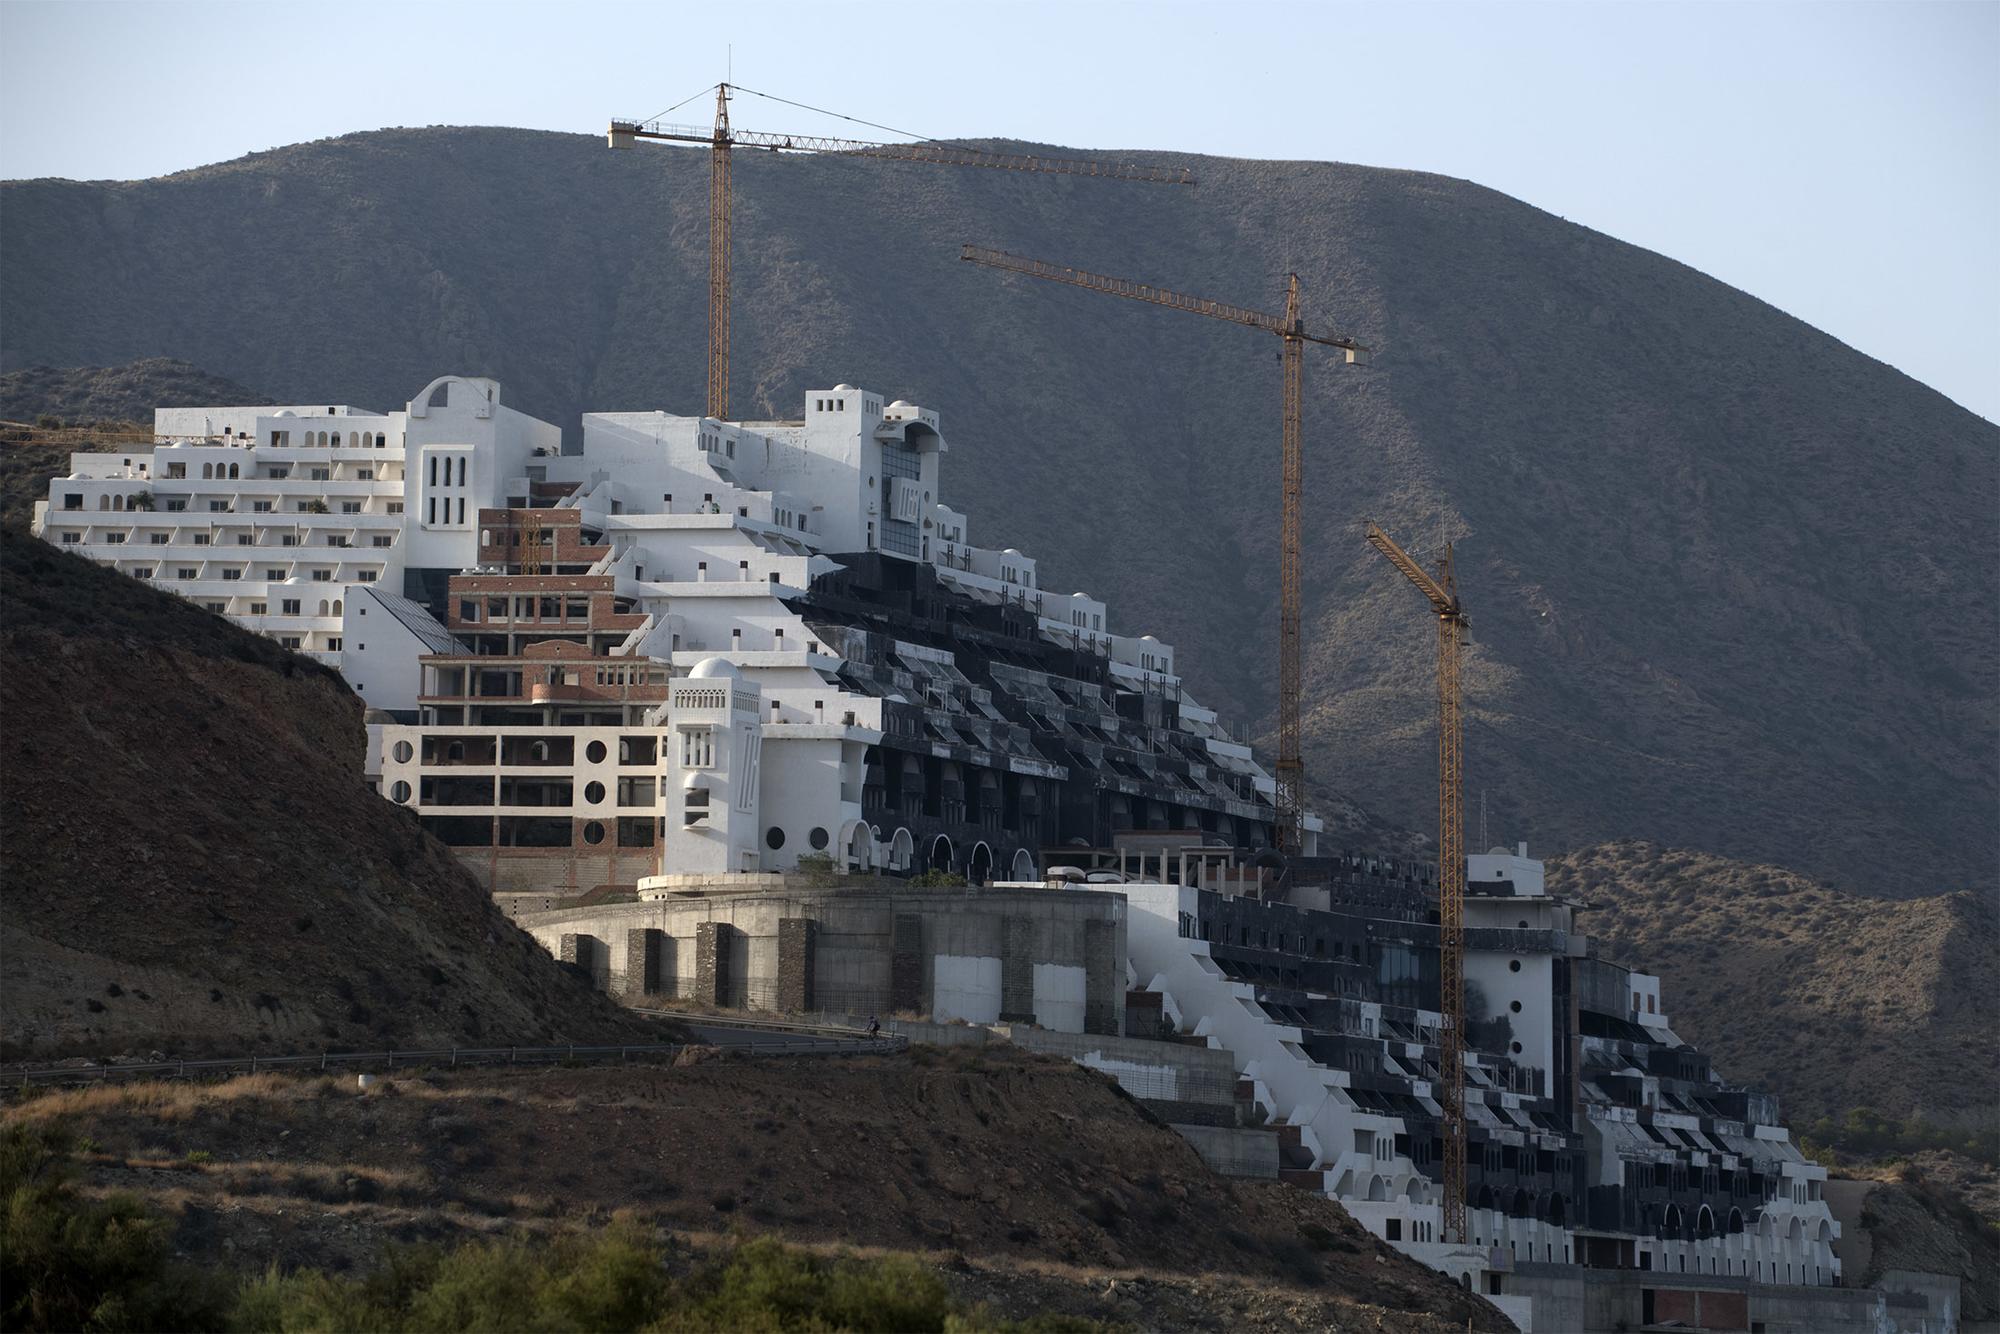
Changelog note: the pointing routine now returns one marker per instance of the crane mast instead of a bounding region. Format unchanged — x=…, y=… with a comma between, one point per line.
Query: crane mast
x=1442, y=593
x=722, y=139
x=1291, y=776
x=720, y=197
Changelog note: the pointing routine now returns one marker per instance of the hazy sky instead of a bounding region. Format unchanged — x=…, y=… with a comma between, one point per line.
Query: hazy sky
x=1841, y=161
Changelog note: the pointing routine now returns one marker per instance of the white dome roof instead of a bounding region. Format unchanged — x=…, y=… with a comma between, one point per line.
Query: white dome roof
x=710, y=669
x=902, y=403
x=1079, y=595
x=1011, y=551
x=843, y=389
x=1149, y=639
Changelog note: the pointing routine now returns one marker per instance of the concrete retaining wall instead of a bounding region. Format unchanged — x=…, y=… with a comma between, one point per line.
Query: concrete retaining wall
x=1234, y=1152
x=1047, y=956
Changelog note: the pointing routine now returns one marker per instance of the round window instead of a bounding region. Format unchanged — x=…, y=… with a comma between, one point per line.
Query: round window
x=403, y=752
x=817, y=838
x=594, y=752
x=774, y=838
x=1514, y=1047
x=399, y=791
x=593, y=792
x=593, y=833
x=1513, y=965
x=1515, y=1006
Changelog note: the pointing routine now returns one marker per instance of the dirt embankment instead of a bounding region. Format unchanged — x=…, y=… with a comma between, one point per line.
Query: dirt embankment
x=192, y=864
x=1034, y=1182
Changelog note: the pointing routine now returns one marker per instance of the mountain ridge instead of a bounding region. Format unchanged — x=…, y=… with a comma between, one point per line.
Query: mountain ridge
x=1718, y=564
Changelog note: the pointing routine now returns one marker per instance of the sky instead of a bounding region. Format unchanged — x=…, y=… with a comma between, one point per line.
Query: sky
x=1841, y=161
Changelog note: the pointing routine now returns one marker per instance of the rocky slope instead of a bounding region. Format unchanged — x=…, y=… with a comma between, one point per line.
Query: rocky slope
x=193, y=865
x=1035, y=1182
x=78, y=395
x=1734, y=585
x=1831, y=1000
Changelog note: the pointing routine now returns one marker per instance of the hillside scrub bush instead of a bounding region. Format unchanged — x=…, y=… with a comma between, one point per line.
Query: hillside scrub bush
x=615, y=1280
x=938, y=879
x=1867, y=1133
x=67, y=1263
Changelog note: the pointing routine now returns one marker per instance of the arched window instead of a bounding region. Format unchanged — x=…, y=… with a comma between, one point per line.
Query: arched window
x=117, y=502
x=233, y=470
x=336, y=606
x=353, y=440
x=208, y=471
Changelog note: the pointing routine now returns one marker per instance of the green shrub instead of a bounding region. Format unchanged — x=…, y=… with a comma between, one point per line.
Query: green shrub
x=68, y=1263
x=1867, y=1133
x=819, y=870
x=937, y=879
x=768, y=1286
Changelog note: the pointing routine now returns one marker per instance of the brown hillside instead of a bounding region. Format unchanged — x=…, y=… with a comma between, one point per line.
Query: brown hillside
x=101, y=409
x=193, y=865
x=78, y=395
x=1831, y=1000
x=1033, y=1177
x=1733, y=584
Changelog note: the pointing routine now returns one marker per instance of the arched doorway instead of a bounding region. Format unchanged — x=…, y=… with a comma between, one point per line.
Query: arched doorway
x=979, y=867
x=1023, y=867
x=902, y=851
x=939, y=857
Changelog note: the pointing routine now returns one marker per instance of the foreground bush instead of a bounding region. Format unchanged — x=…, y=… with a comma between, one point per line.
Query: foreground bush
x=68, y=1263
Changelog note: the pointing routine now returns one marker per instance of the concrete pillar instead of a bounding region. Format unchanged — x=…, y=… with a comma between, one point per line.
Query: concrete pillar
x=711, y=963
x=906, y=963
x=1017, y=970
x=573, y=948
x=642, y=964
x=1103, y=979
x=797, y=937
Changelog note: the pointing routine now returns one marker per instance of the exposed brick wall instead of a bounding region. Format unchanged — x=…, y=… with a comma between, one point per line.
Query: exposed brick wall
x=1017, y=971
x=1103, y=979
x=906, y=963
x=1145, y=1012
x=797, y=937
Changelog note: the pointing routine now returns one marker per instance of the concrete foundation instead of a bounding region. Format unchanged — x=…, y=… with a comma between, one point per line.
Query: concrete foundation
x=882, y=949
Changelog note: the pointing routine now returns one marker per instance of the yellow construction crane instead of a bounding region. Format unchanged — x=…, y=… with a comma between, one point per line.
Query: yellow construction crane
x=1442, y=593
x=1291, y=794
x=721, y=139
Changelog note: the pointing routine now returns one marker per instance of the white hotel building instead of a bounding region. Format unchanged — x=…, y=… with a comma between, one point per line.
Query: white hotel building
x=814, y=557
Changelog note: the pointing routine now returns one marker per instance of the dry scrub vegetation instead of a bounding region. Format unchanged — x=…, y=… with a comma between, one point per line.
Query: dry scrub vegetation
x=1026, y=1184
